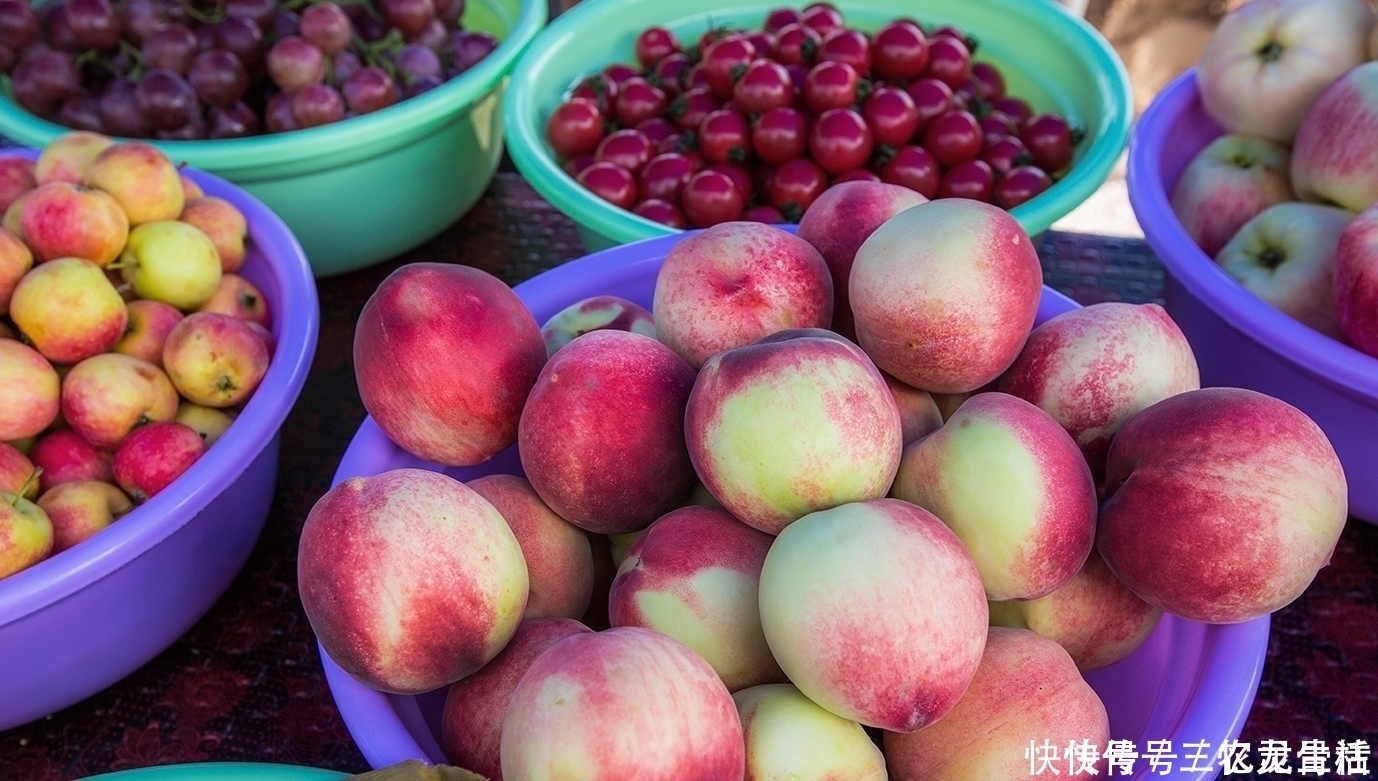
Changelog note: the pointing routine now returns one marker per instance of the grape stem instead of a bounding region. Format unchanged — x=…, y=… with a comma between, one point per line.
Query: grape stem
x=205, y=18
x=137, y=55
x=373, y=52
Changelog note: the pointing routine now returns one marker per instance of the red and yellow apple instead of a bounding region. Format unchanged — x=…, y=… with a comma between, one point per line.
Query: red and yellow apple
x=224, y=224
x=142, y=180
x=26, y=535
x=80, y=509
x=214, y=360
x=153, y=456
x=68, y=310
x=31, y=389
x=66, y=158
x=106, y=396
x=66, y=457
x=65, y=220
x=171, y=261
x=148, y=324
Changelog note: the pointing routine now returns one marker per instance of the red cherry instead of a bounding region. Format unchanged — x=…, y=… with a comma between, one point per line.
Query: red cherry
x=657, y=129
x=763, y=41
x=780, y=18
x=990, y=82
x=724, y=135
x=638, y=100
x=972, y=179
x=688, y=110
x=1014, y=108
x=575, y=127
x=831, y=85
x=796, y=185
x=598, y=89
x=780, y=134
x=899, y=50
x=711, y=197
x=849, y=46
x=763, y=86
x=575, y=165
x=949, y=61
x=739, y=176
x=669, y=73
x=857, y=175
x=610, y=182
x=620, y=72
x=627, y=148
x=891, y=115
x=654, y=44
x=823, y=17
x=796, y=44
x=932, y=98
x=913, y=167
x=663, y=212
x=763, y=213
x=1021, y=185
x=840, y=140
x=953, y=137
x=997, y=123
x=724, y=61
x=1049, y=139
x=665, y=176
x=1004, y=153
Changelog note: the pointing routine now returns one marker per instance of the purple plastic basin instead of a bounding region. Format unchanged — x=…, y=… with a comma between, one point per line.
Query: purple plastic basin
x=1188, y=682
x=1240, y=340
x=83, y=619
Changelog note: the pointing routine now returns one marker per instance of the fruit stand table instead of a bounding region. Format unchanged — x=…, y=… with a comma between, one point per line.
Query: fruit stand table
x=245, y=684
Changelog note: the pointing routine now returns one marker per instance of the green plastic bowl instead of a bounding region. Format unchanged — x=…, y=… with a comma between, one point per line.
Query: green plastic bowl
x=369, y=188
x=1052, y=59
x=223, y=771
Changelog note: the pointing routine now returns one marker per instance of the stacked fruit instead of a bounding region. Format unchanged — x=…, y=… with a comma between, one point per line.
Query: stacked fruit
x=898, y=506
x=190, y=70
x=756, y=124
x=128, y=341
x=1284, y=201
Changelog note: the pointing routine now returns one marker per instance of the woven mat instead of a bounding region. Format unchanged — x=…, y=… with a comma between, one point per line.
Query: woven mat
x=245, y=684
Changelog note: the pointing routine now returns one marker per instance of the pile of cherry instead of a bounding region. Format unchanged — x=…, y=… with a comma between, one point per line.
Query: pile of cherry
x=756, y=124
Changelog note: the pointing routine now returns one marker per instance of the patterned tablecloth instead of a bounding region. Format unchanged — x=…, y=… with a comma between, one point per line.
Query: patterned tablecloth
x=245, y=684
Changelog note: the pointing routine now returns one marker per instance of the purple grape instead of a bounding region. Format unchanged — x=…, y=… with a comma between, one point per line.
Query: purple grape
x=19, y=25
x=174, y=11
x=408, y=16
x=434, y=37
x=7, y=58
x=317, y=104
x=81, y=112
x=94, y=23
x=58, y=32
x=326, y=26
x=218, y=77
x=171, y=47
x=119, y=110
x=293, y=63
x=369, y=90
x=166, y=99
x=366, y=25
x=343, y=65
x=468, y=47
x=241, y=37
x=414, y=61
x=205, y=36
x=56, y=74
x=421, y=84
x=277, y=115
x=141, y=18
x=194, y=130
x=29, y=92
x=260, y=12
x=237, y=121
x=34, y=49
x=449, y=11
x=285, y=23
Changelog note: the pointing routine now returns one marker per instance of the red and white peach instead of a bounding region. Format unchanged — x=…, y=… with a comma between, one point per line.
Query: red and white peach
x=789, y=736
x=1335, y=156
x=1226, y=184
x=919, y=412
x=1356, y=281
x=596, y=313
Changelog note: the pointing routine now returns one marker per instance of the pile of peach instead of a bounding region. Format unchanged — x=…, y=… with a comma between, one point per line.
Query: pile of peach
x=128, y=342
x=846, y=482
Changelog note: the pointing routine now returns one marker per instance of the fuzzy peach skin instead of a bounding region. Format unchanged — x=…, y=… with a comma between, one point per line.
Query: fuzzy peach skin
x=142, y=180
x=694, y=574
x=226, y=226
x=61, y=220
x=735, y=283
x=1094, y=616
x=789, y=737
x=1026, y=691
x=1221, y=504
x=1226, y=184
x=798, y=422
x=837, y=224
x=1094, y=367
x=145, y=332
x=65, y=457
x=410, y=579
x=1267, y=60
x=1012, y=484
x=153, y=456
x=30, y=387
x=601, y=437
x=944, y=294
x=66, y=158
x=1356, y=281
x=875, y=611
x=1335, y=157
x=624, y=703
x=15, y=261
x=559, y=558
x=68, y=310
x=445, y=356
x=471, y=720
x=17, y=474
x=105, y=396
x=596, y=313
x=919, y=412
x=215, y=360
x=80, y=509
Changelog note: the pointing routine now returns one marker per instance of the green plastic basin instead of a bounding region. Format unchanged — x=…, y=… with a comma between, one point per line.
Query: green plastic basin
x=364, y=190
x=1052, y=59
x=223, y=771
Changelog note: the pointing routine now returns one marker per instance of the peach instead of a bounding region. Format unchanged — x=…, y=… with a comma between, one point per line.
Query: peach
x=1095, y=367
x=66, y=158
x=1026, y=695
x=919, y=412
x=141, y=179
x=448, y=562
x=105, y=396
x=694, y=575
x=789, y=736
x=601, y=437
x=840, y=221
x=66, y=457
x=62, y=220
x=148, y=324
x=471, y=721
x=1221, y=504
x=735, y=283
x=214, y=360
x=1228, y=183
x=625, y=703
x=596, y=313
x=26, y=535
x=15, y=262
x=16, y=177
x=68, y=310
x=798, y=422
x=944, y=294
x=226, y=226
x=1356, y=281
x=17, y=473
x=875, y=611
x=154, y=455
x=559, y=558
x=238, y=297
x=1335, y=155
x=80, y=509
x=31, y=389
x=445, y=357
x=619, y=544
x=1094, y=616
